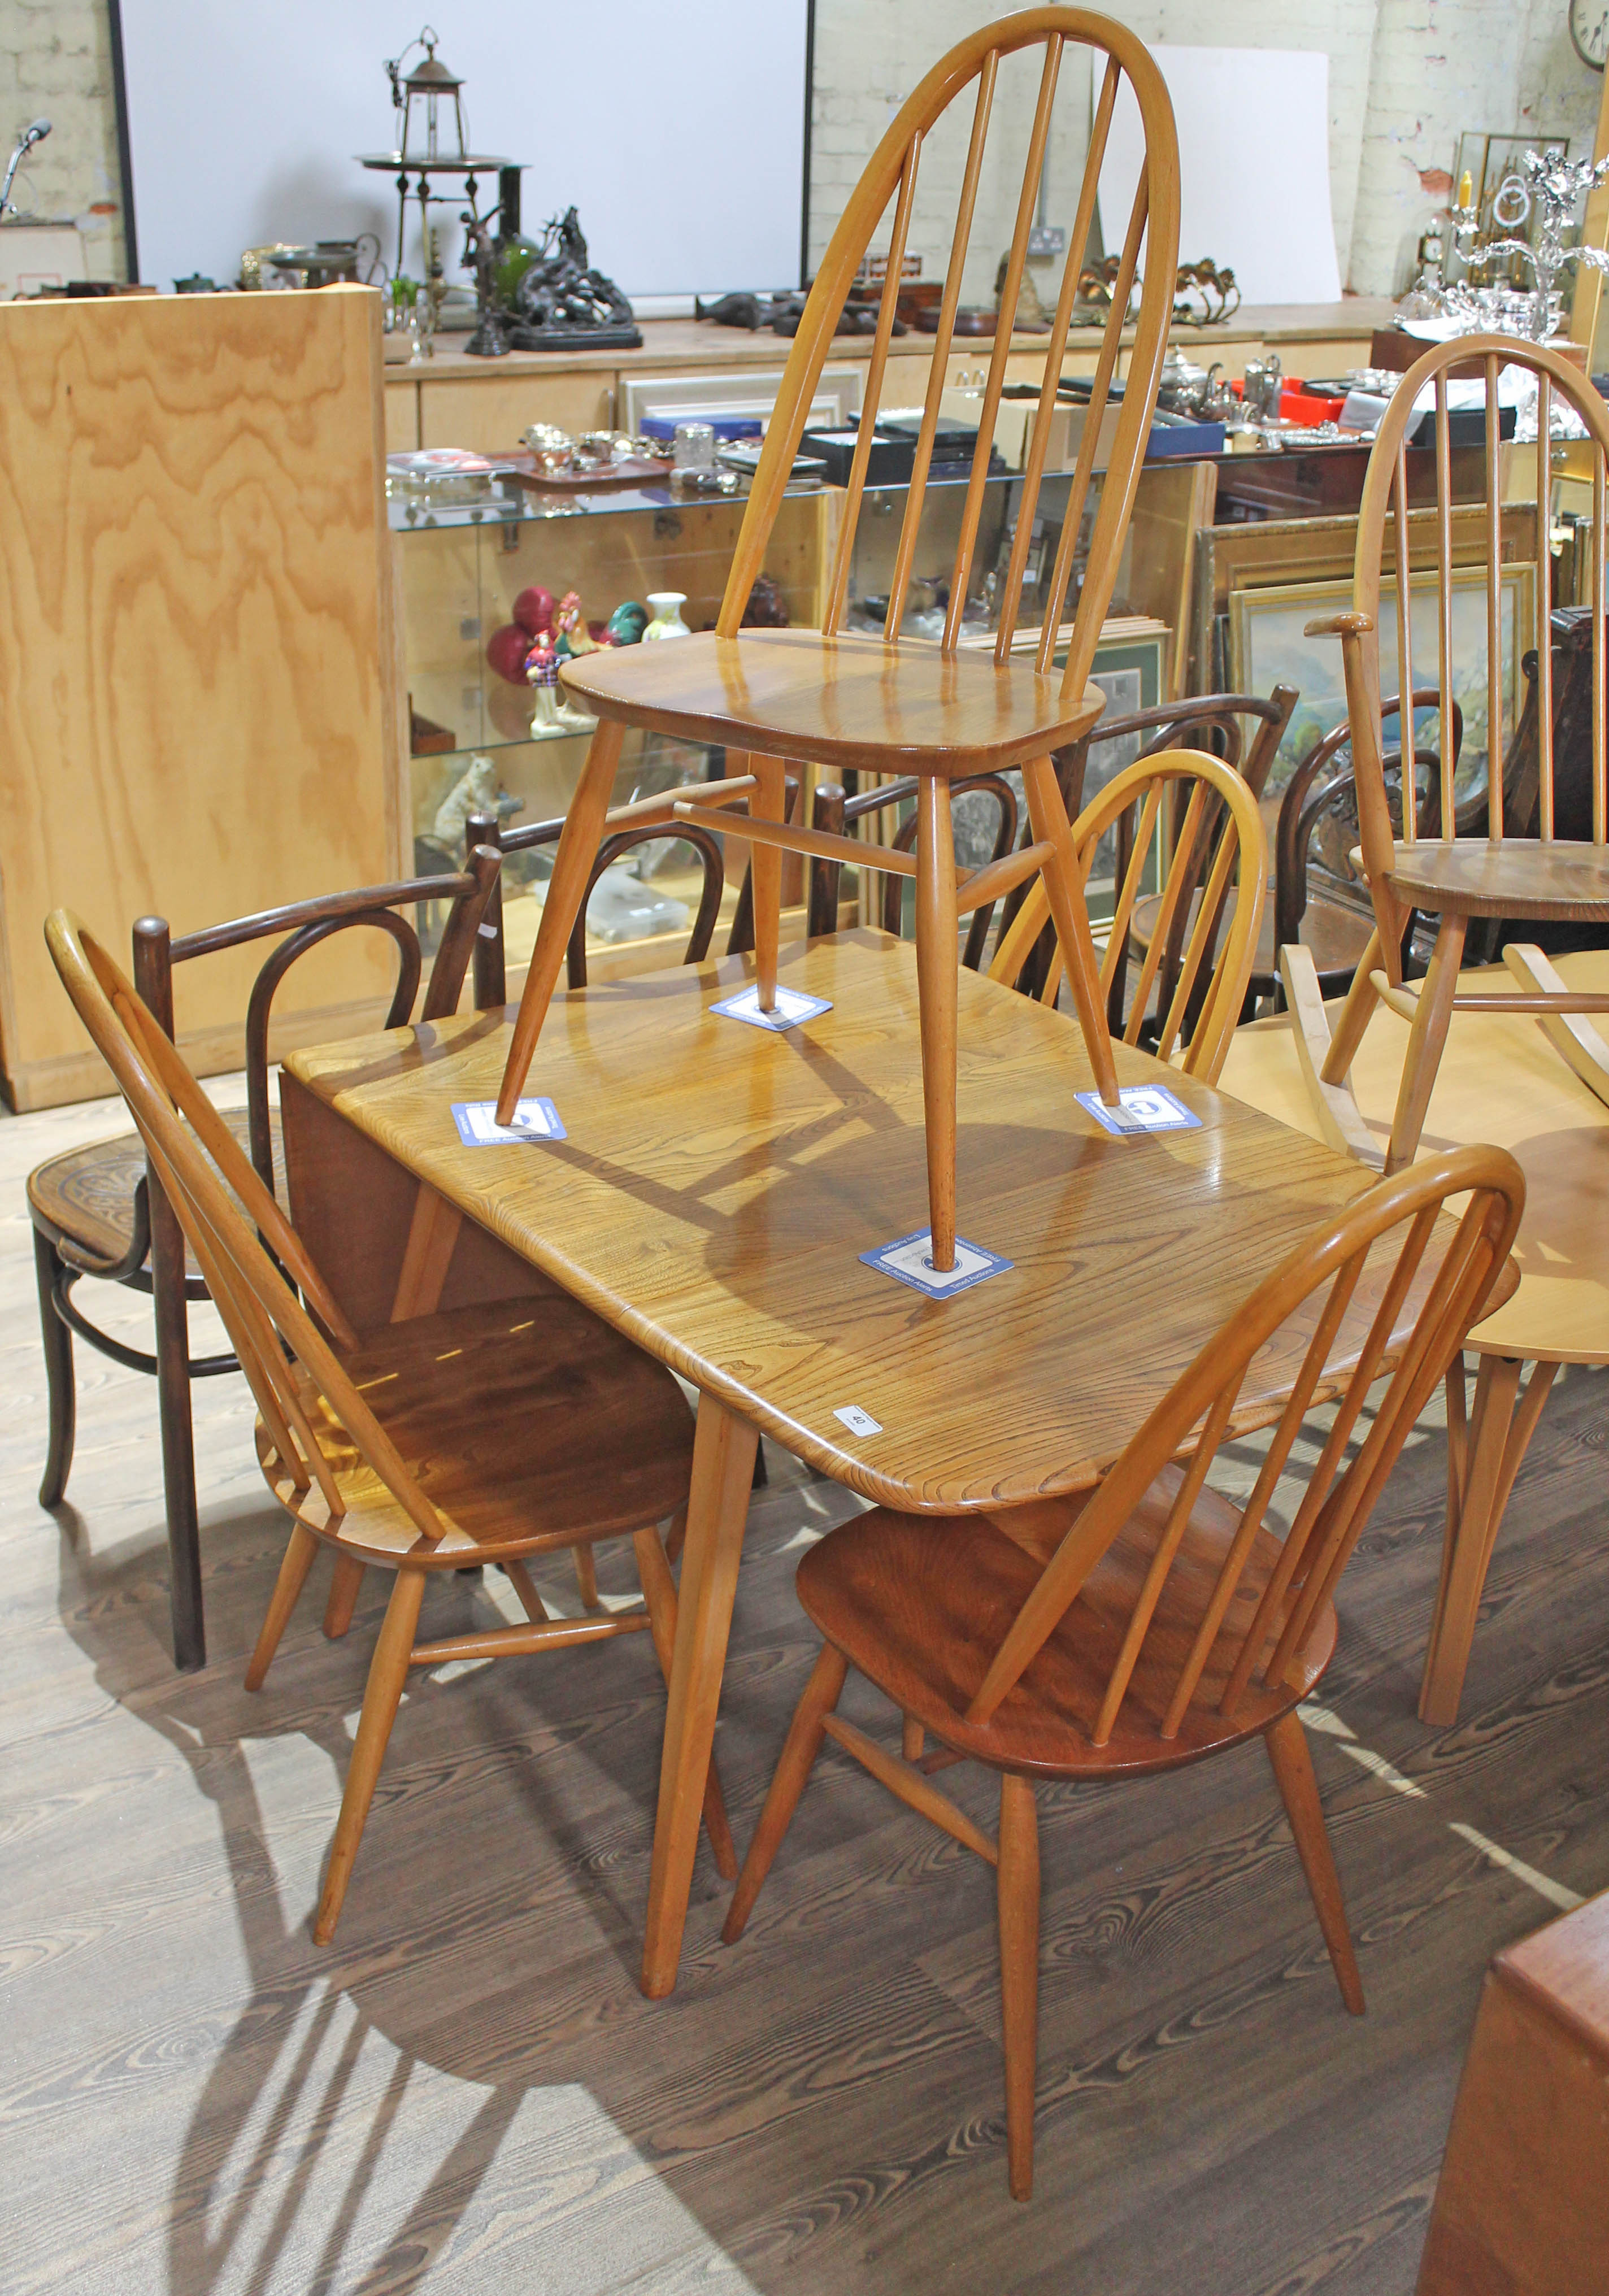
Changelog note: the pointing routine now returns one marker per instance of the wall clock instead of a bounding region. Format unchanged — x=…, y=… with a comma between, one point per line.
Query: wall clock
x=1590, y=31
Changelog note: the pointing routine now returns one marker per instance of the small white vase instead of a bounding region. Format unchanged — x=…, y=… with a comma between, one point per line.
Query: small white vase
x=665, y=610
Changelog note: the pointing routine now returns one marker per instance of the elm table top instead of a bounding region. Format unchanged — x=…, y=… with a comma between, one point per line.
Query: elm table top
x=717, y=1184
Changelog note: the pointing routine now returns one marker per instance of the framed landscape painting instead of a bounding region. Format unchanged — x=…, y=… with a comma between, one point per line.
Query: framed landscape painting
x=1267, y=643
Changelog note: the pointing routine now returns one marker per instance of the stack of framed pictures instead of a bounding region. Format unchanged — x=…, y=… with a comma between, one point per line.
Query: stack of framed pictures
x=1258, y=586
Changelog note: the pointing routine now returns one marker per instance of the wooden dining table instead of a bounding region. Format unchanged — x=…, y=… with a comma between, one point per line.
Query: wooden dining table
x=711, y=1198
x=1500, y=1081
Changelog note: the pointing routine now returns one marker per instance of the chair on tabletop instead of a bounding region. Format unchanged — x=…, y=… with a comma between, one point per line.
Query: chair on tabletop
x=393, y=1450
x=1186, y=992
x=890, y=706
x=96, y=1213
x=1430, y=866
x=1148, y=1622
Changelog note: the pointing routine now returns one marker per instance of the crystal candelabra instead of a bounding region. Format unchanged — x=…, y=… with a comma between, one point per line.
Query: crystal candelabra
x=1552, y=187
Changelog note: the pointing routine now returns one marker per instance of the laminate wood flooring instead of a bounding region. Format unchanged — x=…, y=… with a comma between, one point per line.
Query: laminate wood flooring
x=468, y=2093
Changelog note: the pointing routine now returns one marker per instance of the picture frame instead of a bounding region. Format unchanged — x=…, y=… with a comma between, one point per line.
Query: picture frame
x=1266, y=643
x=1490, y=160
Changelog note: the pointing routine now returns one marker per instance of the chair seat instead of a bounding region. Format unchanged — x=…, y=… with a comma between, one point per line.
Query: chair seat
x=919, y=1606
x=1506, y=877
x=1335, y=933
x=87, y=1194
x=549, y=1429
x=844, y=702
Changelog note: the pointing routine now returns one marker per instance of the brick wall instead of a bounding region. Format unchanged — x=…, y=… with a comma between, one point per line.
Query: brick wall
x=55, y=60
x=1405, y=76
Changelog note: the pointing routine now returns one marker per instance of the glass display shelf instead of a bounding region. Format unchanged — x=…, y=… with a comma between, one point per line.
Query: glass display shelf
x=461, y=569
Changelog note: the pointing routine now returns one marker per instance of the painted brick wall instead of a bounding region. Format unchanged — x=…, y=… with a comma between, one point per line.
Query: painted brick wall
x=55, y=60
x=1441, y=67
x=1405, y=76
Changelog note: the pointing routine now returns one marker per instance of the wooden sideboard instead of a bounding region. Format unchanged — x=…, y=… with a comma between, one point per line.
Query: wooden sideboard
x=198, y=694
x=451, y=400
x=1522, y=2204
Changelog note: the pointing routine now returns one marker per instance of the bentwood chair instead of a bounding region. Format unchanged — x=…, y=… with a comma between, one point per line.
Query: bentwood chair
x=894, y=706
x=95, y=1213
x=475, y=1435
x=491, y=970
x=1430, y=867
x=1321, y=898
x=1213, y=885
x=1148, y=1622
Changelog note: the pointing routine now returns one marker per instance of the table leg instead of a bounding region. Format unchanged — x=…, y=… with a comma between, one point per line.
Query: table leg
x=1497, y=1439
x=717, y=1509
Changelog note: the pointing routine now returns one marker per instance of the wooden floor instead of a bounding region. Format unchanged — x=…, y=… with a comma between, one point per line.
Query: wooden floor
x=469, y=2093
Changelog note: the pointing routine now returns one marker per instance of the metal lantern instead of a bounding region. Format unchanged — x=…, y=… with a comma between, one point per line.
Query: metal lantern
x=431, y=84
x=431, y=144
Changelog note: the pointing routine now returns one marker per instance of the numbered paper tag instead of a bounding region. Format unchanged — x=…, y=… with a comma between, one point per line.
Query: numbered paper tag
x=477, y=1124
x=1146, y=1108
x=792, y=1006
x=858, y=1421
x=909, y=1261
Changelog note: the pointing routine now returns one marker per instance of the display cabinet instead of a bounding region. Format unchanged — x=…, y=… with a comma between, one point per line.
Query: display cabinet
x=460, y=571
x=461, y=568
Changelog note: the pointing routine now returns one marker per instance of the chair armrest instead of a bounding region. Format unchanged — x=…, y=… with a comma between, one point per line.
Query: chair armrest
x=1340, y=625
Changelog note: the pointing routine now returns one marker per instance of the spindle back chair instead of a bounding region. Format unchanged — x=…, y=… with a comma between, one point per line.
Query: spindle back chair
x=938, y=712
x=1430, y=866
x=1150, y=1622
x=1213, y=888
x=394, y=1452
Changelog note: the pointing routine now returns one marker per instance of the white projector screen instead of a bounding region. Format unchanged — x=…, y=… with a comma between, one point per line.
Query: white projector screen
x=678, y=132
x=1253, y=164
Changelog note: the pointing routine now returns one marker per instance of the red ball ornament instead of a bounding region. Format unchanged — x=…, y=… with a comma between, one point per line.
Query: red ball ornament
x=535, y=608
x=505, y=650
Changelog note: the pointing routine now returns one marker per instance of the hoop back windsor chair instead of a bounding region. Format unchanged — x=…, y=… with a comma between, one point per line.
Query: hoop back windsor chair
x=1211, y=898
x=392, y=1450
x=1150, y=1622
x=1430, y=867
x=853, y=703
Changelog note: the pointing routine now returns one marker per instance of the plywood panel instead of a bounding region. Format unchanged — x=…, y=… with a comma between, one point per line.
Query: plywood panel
x=196, y=641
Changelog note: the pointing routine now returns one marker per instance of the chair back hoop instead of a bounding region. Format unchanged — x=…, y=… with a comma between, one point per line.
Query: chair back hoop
x=199, y=1163
x=891, y=176
x=994, y=786
x=1210, y=721
x=706, y=849
x=1300, y=807
x=305, y=925
x=1220, y=846
x=1357, y=1327
x=1385, y=496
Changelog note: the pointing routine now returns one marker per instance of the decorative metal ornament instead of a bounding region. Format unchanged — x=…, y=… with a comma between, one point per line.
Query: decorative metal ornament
x=430, y=86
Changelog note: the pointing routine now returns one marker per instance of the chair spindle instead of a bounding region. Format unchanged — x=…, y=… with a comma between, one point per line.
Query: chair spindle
x=905, y=552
